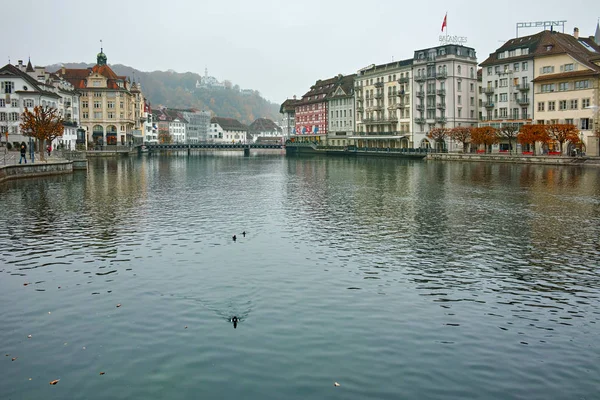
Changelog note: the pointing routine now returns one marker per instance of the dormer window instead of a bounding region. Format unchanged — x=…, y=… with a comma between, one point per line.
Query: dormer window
x=549, y=47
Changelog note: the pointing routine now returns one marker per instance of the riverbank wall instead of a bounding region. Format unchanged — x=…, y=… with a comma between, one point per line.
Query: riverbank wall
x=19, y=171
x=515, y=159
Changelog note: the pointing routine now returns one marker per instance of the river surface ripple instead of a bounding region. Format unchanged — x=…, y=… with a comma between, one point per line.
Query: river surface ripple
x=397, y=279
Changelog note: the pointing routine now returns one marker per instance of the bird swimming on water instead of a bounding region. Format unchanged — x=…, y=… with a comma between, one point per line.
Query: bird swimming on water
x=234, y=238
x=235, y=321
x=244, y=233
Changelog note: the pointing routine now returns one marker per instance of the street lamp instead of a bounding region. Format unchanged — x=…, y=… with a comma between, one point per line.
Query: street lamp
x=581, y=144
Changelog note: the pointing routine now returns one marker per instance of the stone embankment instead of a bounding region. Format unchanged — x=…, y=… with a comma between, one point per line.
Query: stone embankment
x=516, y=159
x=11, y=169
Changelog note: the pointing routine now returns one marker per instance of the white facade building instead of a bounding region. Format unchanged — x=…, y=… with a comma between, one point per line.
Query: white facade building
x=227, y=130
x=18, y=90
x=445, y=92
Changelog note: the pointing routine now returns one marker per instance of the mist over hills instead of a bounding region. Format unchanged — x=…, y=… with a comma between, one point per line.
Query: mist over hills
x=178, y=90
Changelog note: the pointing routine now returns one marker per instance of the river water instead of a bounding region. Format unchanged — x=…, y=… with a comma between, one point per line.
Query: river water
x=397, y=279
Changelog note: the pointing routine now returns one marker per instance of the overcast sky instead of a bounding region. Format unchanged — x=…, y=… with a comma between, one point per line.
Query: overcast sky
x=279, y=48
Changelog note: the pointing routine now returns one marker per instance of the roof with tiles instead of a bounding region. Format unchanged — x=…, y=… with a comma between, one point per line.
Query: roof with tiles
x=263, y=125
x=10, y=69
x=288, y=106
x=229, y=124
x=322, y=90
x=548, y=43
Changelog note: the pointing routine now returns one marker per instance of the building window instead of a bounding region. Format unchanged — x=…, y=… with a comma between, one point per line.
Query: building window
x=585, y=123
x=541, y=106
x=551, y=106
x=14, y=103
x=563, y=86
x=547, y=69
x=86, y=115
x=524, y=64
x=503, y=112
x=97, y=94
x=110, y=104
x=98, y=115
x=562, y=105
x=2, y=116
x=2, y=103
x=459, y=86
x=13, y=116
x=28, y=103
x=585, y=103
x=7, y=87
x=582, y=85
x=504, y=82
x=574, y=104
x=97, y=104
x=459, y=100
x=111, y=115
x=569, y=67
x=489, y=70
x=84, y=104
x=503, y=97
x=472, y=101
x=549, y=87
x=516, y=67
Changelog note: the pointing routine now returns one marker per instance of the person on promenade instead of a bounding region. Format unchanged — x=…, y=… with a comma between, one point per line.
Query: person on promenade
x=23, y=153
x=49, y=149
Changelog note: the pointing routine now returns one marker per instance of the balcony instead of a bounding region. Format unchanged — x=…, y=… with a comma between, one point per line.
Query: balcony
x=441, y=92
x=431, y=106
x=420, y=78
x=440, y=120
x=360, y=109
x=420, y=107
x=378, y=95
x=378, y=84
x=523, y=101
x=441, y=75
x=404, y=80
x=488, y=90
x=420, y=121
x=441, y=106
x=67, y=104
x=421, y=94
x=488, y=104
x=431, y=75
x=359, y=100
x=523, y=87
x=401, y=105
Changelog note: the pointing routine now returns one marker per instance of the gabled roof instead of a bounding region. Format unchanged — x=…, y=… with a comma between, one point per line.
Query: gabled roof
x=322, y=90
x=288, y=106
x=567, y=75
x=229, y=124
x=10, y=69
x=548, y=43
x=263, y=125
x=78, y=77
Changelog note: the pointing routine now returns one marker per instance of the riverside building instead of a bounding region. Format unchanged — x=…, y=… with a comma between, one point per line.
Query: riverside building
x=444, y=92
x=112, y=107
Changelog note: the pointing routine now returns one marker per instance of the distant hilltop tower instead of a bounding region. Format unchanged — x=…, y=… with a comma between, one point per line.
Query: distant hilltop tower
x=208, y=82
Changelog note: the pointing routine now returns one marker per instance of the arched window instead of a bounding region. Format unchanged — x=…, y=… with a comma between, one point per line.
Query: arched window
x=472, y=73
x=459, y=70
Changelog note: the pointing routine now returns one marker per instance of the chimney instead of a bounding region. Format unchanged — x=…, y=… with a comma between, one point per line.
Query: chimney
x=20, y=63
x=576, y=33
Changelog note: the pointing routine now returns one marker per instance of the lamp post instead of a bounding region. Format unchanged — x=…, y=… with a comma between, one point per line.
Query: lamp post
x=581, y=144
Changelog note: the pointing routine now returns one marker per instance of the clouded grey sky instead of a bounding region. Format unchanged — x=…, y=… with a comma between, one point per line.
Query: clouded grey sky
x=276, y=47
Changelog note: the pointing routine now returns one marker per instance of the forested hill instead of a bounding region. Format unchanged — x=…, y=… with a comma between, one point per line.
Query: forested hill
x=178, y=90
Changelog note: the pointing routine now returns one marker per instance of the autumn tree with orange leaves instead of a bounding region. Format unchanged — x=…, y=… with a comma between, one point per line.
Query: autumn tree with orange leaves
x=563, y=133
x=485, y=135
x=439, y=135
x=462, y=134
x=531, y=134
x=44, y=124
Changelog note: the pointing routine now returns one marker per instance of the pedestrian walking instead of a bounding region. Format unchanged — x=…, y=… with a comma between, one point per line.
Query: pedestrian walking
x=49, y=149
x=23, y=153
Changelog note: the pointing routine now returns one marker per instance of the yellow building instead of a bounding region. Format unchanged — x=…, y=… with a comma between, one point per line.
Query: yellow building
x=566, y=85
x=112, y=107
